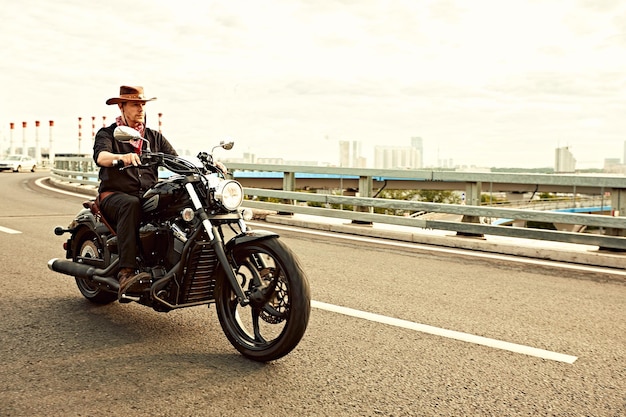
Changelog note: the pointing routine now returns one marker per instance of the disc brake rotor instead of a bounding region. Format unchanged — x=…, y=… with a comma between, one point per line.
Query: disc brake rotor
x=275, y=311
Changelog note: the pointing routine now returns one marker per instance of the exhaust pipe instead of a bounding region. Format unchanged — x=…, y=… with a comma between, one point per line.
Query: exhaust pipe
x=85, y=271
x=72, y=268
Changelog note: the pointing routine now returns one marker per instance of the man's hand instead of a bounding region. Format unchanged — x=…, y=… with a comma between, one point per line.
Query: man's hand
x=130, y=159
x=221, y=167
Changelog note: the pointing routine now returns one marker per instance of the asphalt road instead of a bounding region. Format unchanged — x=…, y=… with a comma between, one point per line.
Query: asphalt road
x=62, y=356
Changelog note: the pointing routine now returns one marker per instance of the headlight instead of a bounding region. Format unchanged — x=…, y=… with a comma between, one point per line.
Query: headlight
x=187, y=214
x=230, y=194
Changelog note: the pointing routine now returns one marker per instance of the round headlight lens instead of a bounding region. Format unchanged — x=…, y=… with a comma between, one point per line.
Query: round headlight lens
x=230, y=194
x=187, y=214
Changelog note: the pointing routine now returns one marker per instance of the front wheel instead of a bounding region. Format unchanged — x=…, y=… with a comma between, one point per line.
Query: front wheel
x=274, y=322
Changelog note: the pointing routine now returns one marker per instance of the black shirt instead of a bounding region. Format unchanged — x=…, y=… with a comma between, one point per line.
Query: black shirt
x=131, y=180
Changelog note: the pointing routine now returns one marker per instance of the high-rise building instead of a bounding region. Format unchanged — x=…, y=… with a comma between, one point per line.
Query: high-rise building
x=344, y=153
x=564, y=160
x=446, y=163
x=612, y=164
x=397, y=157
x=418, y=144
x=350, y=154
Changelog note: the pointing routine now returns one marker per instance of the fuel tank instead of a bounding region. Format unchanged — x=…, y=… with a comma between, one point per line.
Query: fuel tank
x=166, y=198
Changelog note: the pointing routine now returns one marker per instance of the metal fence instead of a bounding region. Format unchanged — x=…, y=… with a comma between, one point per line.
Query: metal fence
x=75, y=170
x=604, y=231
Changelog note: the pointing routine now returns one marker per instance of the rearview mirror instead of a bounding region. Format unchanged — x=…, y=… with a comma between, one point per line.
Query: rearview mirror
x=224, y=145
x=126, y=134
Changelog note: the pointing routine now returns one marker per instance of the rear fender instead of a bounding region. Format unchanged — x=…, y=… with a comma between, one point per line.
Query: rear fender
x=84, y=217
x=85, y=222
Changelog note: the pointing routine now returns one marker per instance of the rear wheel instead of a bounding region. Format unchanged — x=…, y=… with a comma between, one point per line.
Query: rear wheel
x=274, y=322
x=88, y=248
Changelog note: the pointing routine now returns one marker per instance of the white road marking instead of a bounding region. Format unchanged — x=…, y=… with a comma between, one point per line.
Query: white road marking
x=9, y=231
x=40, y=183
x=451, y=334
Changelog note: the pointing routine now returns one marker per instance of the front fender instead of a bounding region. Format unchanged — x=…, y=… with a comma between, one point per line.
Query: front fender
x=249, y=236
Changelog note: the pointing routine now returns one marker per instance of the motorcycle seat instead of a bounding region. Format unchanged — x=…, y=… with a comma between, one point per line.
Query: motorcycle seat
x=92, y=205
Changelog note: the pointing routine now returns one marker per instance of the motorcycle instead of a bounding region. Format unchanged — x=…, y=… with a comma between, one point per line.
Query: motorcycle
x=198, y=250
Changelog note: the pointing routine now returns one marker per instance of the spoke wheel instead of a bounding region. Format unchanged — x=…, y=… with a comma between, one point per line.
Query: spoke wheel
x=88, y=248
x=275, y=320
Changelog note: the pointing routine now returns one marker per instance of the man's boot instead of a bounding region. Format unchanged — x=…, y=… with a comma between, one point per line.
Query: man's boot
x=131, y=283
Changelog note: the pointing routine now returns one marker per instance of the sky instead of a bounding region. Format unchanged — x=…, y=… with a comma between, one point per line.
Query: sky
x=486, y=83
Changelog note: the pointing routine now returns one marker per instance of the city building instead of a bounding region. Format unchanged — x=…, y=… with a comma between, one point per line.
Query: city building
x=613, y=166
x=397, y=157
x=350, y=155
x=418, y=143
x=564, y=161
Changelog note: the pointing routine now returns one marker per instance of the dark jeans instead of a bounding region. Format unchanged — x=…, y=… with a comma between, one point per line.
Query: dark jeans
x=123, y=212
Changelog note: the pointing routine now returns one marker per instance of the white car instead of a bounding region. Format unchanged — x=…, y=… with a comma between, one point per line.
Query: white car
x=18, y=163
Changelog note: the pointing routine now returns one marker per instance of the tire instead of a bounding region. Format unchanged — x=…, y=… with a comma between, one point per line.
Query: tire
x=273, y=325
x=88, y=247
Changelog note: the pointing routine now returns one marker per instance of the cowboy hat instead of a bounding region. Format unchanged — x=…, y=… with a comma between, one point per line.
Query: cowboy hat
x=129, y=94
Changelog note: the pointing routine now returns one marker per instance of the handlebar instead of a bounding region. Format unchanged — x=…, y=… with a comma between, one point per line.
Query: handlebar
x=148, y=160
x=177, y=164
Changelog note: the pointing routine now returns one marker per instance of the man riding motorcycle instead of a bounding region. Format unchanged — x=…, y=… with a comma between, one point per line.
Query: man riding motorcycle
x=120, y=190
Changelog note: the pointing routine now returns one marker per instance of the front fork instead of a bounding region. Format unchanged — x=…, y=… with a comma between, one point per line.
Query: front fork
x=218, y=246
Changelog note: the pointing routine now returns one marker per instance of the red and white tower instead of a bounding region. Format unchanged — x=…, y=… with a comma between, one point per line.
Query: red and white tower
x=80, y=132
x=12, y=143
x=24, y=149
x=37, y=144
x=50, y=146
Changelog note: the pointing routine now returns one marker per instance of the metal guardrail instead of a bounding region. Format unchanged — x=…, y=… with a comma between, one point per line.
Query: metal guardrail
x=609, y=231
x=615, y=242
x=77, y=170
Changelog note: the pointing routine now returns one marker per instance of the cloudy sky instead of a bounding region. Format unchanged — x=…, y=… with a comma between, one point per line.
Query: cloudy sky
x=483, y=82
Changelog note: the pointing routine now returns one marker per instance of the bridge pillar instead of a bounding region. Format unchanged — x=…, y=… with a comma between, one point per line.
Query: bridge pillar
x=472, y=198
x=366, y=189
x=289, y=184
x=618, y=209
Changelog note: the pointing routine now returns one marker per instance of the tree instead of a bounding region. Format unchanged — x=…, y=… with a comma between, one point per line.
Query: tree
x=437, y=196
x=429, y=196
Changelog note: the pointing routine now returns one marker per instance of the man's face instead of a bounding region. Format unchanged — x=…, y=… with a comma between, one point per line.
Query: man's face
x=133, y=112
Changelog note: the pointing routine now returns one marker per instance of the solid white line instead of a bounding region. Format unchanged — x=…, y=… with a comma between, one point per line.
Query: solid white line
x=451, y=334
x=9, y=231
x=40, y=183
